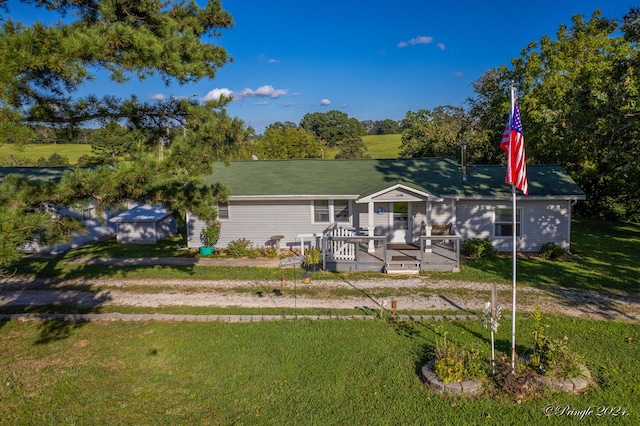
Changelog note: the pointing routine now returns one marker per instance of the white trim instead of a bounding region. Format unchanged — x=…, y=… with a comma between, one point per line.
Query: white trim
x=292, y=197
x=228, y=218
x=426, y=195
x=519, y=198
x=332, y=212
x=509, y=222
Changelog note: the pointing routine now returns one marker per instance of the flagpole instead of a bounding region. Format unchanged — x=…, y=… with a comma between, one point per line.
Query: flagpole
x=513, y=279
x=513, y=254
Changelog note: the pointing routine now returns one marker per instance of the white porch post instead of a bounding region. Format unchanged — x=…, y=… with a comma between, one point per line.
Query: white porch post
x=370, y=226
x=427, y=228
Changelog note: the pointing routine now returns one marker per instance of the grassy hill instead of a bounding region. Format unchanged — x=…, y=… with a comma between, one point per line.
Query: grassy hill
x=29, y=154
x=378, y=146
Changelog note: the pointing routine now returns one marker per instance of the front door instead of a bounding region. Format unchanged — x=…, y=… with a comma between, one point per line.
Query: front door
x=400, y=225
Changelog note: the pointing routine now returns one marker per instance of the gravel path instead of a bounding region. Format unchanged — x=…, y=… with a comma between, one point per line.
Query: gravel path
x=415, y=293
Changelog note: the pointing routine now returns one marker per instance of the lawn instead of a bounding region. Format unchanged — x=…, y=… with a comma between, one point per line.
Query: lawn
x=310, y=372
x=604, y=258
x=34, y=152
x=288, y=372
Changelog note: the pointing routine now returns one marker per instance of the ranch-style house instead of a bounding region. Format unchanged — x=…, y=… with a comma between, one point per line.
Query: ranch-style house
x=393, y=215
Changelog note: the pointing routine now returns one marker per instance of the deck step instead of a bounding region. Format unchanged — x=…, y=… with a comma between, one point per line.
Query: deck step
x=403, y=265
x=402, y=271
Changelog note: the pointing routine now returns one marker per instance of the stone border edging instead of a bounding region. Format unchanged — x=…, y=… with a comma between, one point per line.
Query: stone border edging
x=573, y=384
x=459, y=388
x=213, y=318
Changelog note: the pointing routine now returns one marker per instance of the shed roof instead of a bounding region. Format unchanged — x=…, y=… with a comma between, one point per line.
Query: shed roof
x=142, y=213
x=43, y=174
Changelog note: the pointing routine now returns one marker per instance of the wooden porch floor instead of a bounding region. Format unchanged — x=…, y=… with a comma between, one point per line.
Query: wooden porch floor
x=402, y=258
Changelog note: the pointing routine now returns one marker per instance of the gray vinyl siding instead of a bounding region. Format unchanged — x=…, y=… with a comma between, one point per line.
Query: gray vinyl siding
x=380, y=221
x=541, y=222
x=259, y=221
x=145, y=232
x=441, y=213
x=136, y=233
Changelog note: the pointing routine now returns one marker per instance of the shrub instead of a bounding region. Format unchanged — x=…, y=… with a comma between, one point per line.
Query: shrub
x=240, y=248
x=477, y=247
x=552, y=357
x=457, y=363
x=210, y=234
x=313, y=257
x=552, y=251
x=519, y=382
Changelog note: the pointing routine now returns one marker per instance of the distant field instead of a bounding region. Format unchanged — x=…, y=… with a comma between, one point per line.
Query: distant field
x=33, y=152
x=378, y=146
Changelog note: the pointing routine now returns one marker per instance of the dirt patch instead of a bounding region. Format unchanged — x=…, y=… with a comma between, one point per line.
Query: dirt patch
x=414, y=293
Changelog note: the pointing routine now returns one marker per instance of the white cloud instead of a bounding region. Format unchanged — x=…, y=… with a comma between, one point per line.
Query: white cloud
x=266, y=91
x=216, y=94
x=441, y=46
x=325, y=102
x=157, y=97
x=417, y=40
x=262, y=103
x=458, y=73
x=273, y=61
x=343, y=106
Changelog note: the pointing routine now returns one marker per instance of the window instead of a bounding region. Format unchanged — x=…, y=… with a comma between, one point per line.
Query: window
x=503, y=223
x=341, y=210
x=328, y=211
x=223, y=211
x=321, y=211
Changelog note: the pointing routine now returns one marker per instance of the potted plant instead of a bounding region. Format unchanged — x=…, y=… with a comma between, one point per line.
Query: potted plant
x=209, y=237
x=314, y=259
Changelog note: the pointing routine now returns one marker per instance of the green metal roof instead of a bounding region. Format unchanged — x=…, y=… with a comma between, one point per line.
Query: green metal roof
x=335, y=177
x=359, y=178
x=544, y=181
x=438, y=176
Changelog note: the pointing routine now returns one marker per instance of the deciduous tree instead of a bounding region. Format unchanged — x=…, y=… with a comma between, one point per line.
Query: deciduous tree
x=439, y=132
x=332, y=127
x=281, y=142
x=579, y=97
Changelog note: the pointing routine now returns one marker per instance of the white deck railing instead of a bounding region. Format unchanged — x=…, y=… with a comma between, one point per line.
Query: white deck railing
x=340, y=249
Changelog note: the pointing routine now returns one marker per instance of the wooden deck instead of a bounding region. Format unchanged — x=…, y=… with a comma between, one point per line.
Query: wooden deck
x=399, y=259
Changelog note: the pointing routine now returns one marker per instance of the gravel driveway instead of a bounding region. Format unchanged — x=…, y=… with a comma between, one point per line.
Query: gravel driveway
x=414, y=293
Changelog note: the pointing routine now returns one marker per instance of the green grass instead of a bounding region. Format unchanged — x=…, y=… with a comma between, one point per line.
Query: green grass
x=112, y=249
x=34, y=152
x=300, y=371
x=378, y=146
x=604, y=258
x=383, y=146
x=284, y=372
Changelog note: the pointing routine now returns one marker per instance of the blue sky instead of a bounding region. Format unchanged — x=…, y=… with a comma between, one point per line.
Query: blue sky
x=370, y=59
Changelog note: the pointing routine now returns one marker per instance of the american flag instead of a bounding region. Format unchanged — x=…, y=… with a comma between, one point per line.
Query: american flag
x=513, y=144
